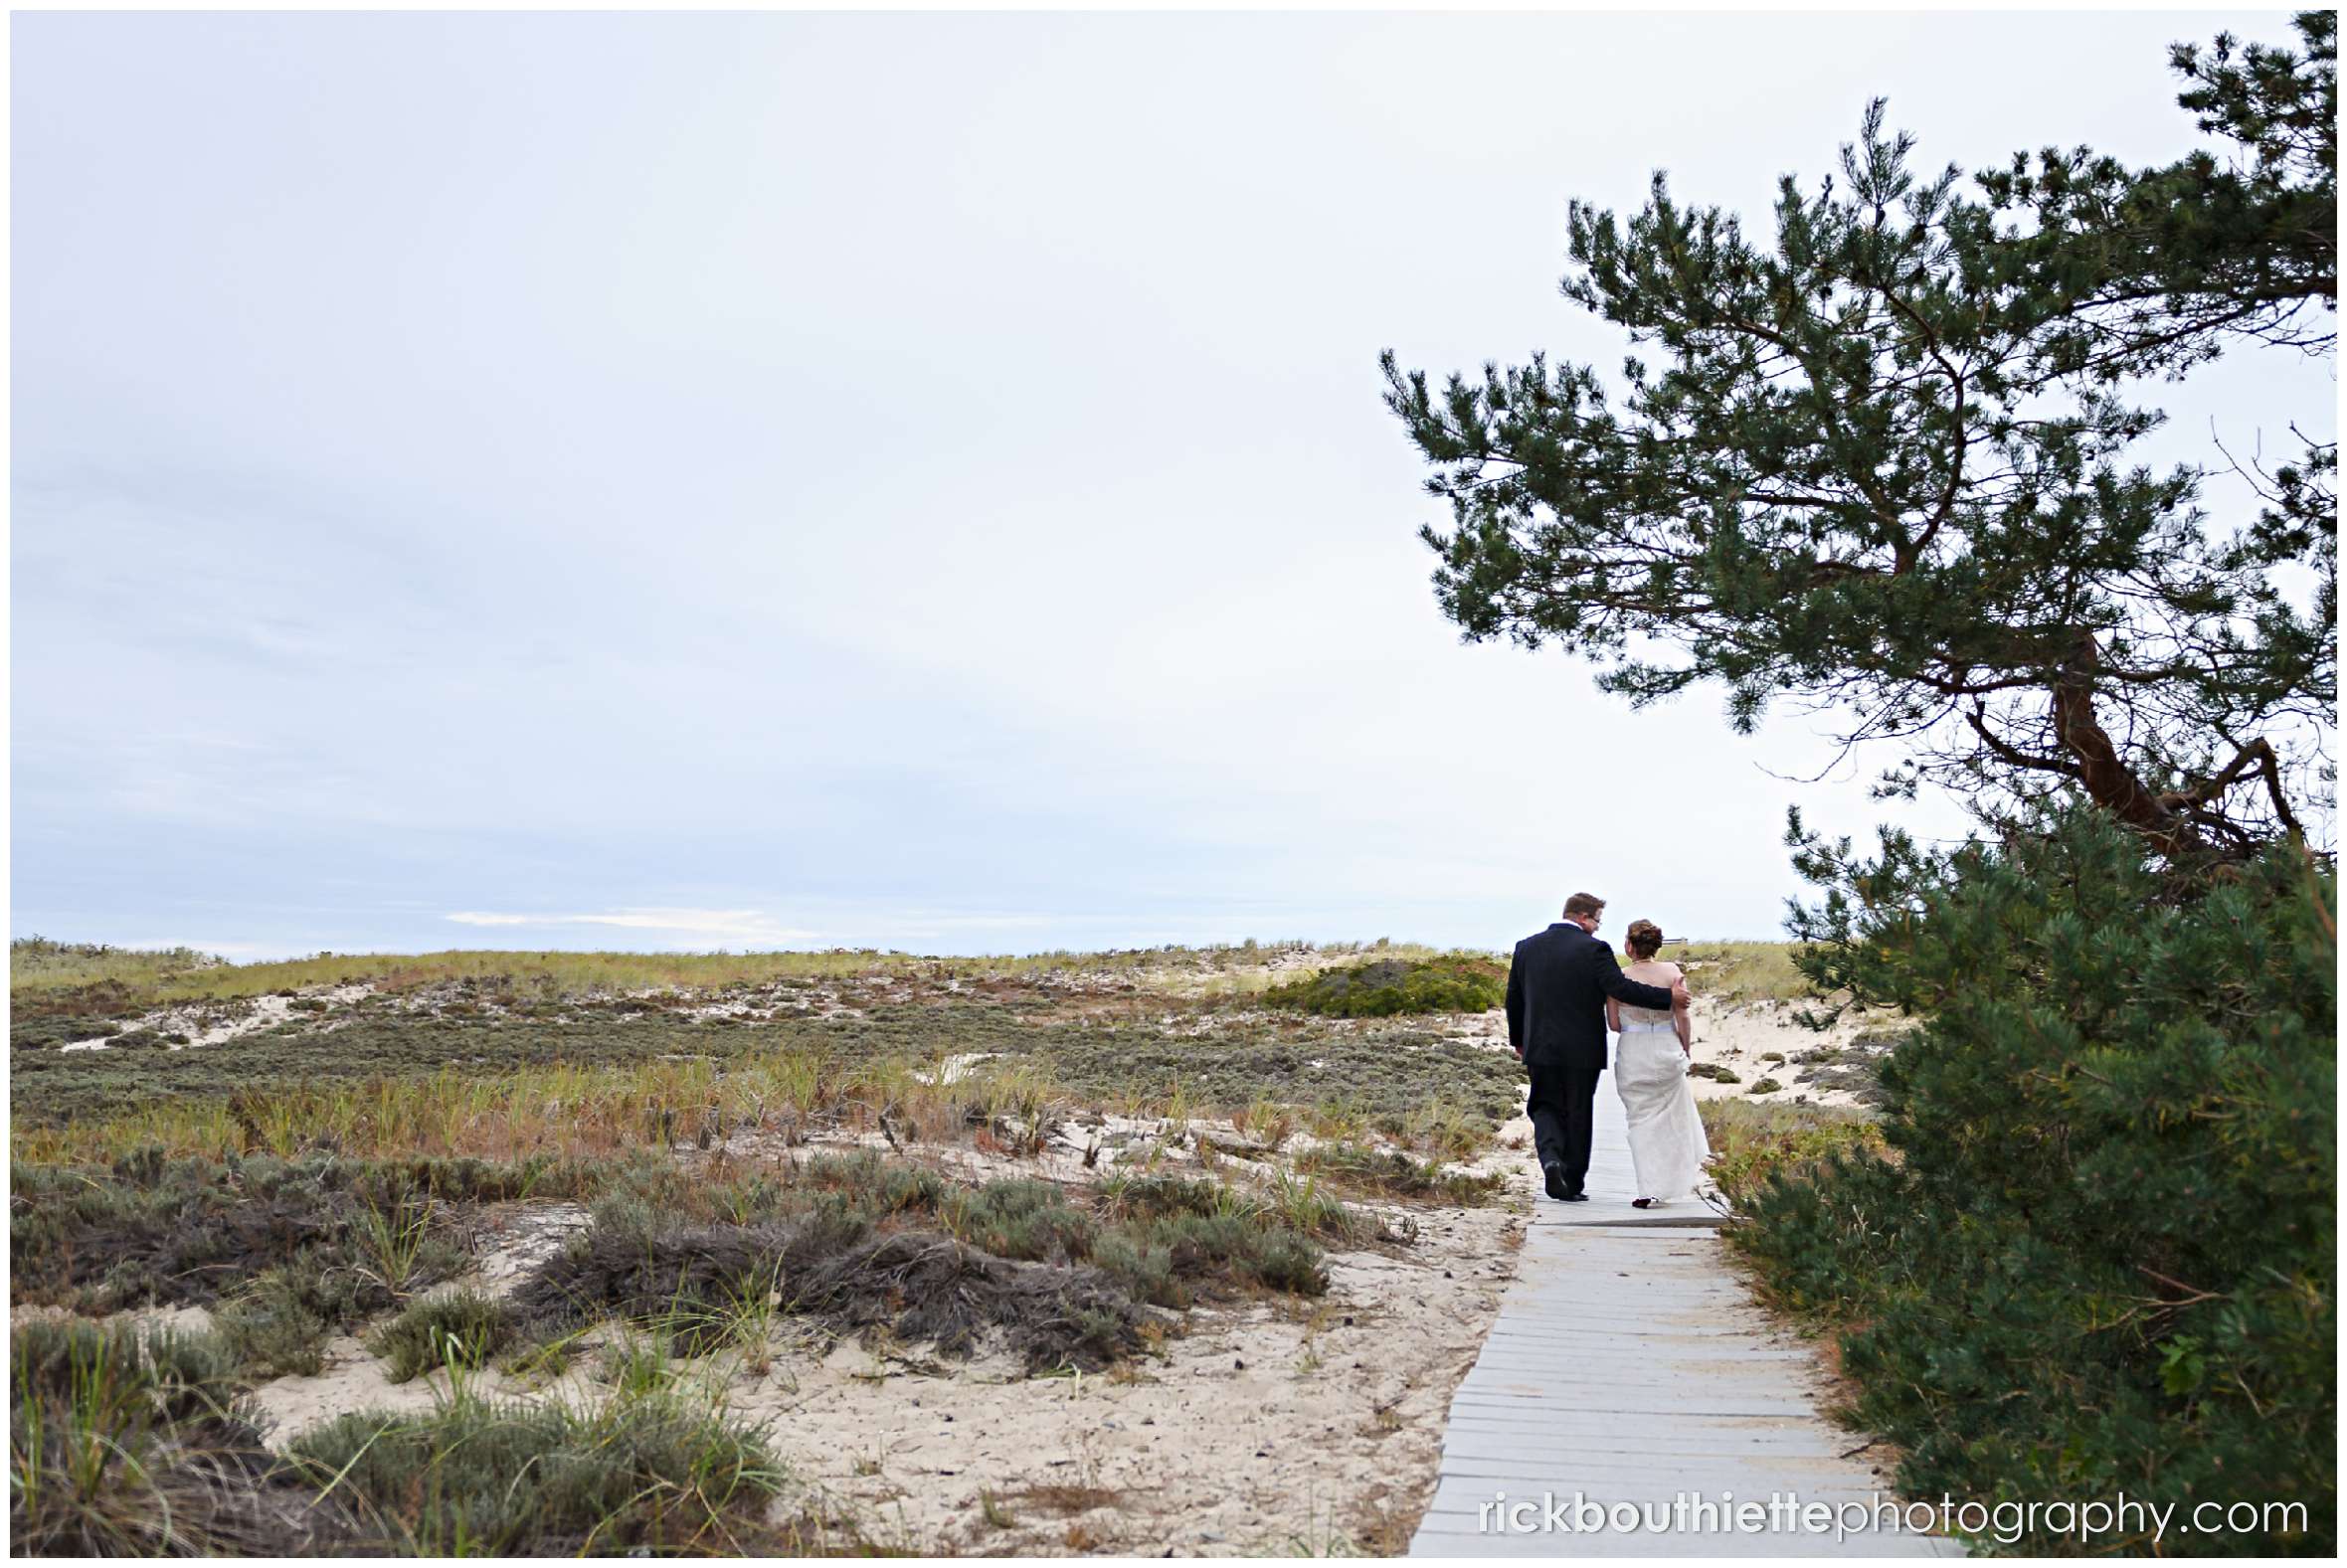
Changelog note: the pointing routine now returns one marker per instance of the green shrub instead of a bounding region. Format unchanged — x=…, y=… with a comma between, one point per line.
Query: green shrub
x=2099, y=1258
x=277, y=1325
x=462, y=1329
x=1206, y=1249
x=1765, y=1086
x=1453, y=982
x=1145, y=1268
x=1285, y=1261
x=1023, y=1219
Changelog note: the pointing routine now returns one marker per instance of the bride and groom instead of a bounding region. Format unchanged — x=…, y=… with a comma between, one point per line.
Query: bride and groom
x=1563, y=992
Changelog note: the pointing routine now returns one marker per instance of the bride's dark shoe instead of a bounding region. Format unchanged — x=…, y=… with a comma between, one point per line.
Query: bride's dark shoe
x=1643, y=1203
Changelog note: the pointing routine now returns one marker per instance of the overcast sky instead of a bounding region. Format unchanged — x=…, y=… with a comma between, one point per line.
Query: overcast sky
x=594, y=480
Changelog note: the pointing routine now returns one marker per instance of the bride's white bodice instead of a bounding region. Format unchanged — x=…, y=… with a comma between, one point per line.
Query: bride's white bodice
x=1658, y=974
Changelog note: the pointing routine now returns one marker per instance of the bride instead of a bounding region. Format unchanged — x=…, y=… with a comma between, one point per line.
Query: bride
x=1667, y=1144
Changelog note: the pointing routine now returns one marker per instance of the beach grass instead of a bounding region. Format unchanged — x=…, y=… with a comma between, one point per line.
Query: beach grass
x=1741, y=972
x=1754, y=1142
x=496, y=1085
x=162, y=978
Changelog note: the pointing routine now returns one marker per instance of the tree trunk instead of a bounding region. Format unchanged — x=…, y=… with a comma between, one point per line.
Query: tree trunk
x=2109, y=782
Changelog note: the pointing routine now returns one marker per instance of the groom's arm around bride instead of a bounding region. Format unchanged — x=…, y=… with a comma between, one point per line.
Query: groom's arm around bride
x=1558, y=985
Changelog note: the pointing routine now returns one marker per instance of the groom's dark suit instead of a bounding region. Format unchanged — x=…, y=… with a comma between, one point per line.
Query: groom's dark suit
x=1556, y=992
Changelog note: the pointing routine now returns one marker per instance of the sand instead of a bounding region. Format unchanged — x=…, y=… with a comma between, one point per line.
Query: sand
x=1268, y=1427
x=1739, y=1036
x=1263, y=1426
x=217, y=1023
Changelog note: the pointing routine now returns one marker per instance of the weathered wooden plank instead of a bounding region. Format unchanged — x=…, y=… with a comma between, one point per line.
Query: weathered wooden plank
x=1569, y=1419
x=1509, y=1438
x=1629, y=1364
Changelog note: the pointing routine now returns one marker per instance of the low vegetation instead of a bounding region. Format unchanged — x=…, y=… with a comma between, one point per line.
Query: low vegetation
x=1391, y=1172
x=863, y=1241
x=460, y=1331
x=756, y=1153
x=374, y=1072
x=1387, y=986
x=38, y=963
x=155, y=978
x=1742, y=971
x=124, y=1443
x=131, y=1443
x=1754, y=1144
x=632, y=1476
x=134, y=1443
x=148, y=1229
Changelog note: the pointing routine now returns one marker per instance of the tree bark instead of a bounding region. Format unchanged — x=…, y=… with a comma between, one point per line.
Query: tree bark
x=2108, y=782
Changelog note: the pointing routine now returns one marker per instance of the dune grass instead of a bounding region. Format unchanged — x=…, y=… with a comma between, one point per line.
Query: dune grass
x=1752, y=1143
x=329, y=1175
x=134, y=1443
x=182, y=974
x=651, y=1476
x=1391, y=1173
x=1740, y=971
x=498, y=1089
x=462, y=1329
x=36, y=961
x=704, y=1253
x=125, y=1442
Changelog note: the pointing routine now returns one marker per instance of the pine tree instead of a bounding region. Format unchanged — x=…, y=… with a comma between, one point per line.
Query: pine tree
x=2103, y=1257
x=1881, y=464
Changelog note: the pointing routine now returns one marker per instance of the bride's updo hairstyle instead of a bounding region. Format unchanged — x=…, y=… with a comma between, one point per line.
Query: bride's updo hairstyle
x=1644, y=939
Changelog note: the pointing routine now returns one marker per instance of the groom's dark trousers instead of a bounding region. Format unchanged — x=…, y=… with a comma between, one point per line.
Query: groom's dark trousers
x=1557, y=991
x=1562, y=1104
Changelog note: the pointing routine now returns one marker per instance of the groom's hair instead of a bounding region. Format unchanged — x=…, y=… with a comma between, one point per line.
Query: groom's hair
x=1584, y=904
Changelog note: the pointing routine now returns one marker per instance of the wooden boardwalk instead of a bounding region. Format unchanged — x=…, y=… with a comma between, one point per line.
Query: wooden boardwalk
x=1629, y=1365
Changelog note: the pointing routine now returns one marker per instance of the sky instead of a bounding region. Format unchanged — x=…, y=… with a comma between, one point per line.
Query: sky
x=668, y=481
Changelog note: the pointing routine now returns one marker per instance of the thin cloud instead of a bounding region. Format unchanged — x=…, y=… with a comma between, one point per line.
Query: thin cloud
x=732, y=924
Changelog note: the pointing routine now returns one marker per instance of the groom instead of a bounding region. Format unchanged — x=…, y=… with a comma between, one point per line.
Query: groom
x=1556, y=992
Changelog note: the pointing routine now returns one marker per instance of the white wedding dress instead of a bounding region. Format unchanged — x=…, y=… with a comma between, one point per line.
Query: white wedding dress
x=1667, y=1145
